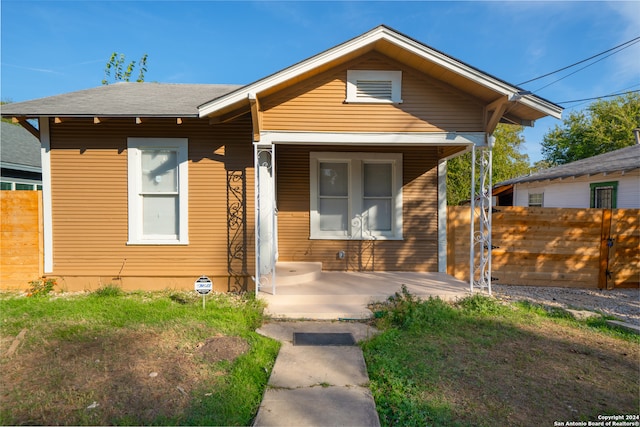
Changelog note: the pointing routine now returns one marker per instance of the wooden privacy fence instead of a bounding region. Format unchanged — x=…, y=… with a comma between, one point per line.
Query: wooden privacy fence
x=21, y=238
x=585, y=248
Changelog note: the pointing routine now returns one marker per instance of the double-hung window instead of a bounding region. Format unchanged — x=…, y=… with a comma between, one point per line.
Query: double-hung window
x=356, y=196
x=158, y=190
x=604, y=194
x=536, y=199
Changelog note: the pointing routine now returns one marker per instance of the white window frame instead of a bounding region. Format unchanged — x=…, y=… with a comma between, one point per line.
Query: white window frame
x=395, y=77
x=541, y=204
x=134, y=154
x=356, y=196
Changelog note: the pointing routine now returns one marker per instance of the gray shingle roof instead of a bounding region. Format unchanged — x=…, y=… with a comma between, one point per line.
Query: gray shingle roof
x=624, y=159
x=19, y=149
x=123, y=99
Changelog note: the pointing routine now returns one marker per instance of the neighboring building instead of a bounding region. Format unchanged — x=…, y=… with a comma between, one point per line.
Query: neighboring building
x=338, y=159
x=19, y=159
x=609, y=180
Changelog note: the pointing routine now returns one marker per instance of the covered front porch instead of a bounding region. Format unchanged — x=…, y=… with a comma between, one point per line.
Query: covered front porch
x=304, y=291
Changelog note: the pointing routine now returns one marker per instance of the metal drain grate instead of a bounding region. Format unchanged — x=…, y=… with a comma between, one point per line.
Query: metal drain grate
x=322, y=338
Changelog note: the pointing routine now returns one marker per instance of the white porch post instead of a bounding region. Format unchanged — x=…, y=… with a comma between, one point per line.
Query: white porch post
x=442, y=216
x=265, y=216
x=45, y=155
x=480, y=272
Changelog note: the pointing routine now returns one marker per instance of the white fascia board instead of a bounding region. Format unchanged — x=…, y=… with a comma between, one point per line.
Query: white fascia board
x=20, y=167
x=541, y=105
x=372, y=138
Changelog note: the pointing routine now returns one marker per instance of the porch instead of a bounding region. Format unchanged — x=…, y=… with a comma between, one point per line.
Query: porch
x=304, y=291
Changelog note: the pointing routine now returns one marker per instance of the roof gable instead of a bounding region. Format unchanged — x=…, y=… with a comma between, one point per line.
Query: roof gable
x=395, y=45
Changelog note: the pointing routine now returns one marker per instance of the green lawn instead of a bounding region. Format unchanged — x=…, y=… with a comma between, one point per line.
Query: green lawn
x=114, y=358
x=132, y=359
x=482, y=363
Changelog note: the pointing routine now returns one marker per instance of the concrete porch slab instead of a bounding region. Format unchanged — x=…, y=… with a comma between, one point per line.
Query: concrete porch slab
x=345, y=295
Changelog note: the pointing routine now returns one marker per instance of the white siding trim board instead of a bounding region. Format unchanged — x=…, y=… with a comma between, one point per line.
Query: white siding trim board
x=45, y=153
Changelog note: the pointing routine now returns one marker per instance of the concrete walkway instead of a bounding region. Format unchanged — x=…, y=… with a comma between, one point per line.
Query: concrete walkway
x=317, y=385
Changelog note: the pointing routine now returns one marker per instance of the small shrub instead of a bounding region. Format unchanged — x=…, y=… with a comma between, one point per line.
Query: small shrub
x=482, y=305
x=405, y=311
x=41, y=287
x=109, y=290
x=402, y=307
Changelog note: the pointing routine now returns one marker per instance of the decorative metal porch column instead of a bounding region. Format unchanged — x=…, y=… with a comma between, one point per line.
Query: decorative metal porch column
x=265, y=217
x=480, y=249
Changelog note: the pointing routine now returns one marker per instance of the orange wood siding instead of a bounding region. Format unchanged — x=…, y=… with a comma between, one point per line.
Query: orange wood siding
x=20, y=238
x=89, y=192
x=417, y=252
x=318, y=104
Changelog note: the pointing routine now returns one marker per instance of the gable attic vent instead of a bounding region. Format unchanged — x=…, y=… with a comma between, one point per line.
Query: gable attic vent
x=373, y=86
x=378, y=89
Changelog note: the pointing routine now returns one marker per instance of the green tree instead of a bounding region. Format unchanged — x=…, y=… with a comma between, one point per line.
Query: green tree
x=508, y=162
x=115, y=70
x=604, y=126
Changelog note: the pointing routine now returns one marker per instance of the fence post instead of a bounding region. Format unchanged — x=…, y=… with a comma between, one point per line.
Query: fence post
x=605, y=235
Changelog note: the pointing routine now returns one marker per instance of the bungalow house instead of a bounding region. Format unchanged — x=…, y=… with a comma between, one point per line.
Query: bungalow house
x=339, y=159
x=610, y=180
x=19, y=159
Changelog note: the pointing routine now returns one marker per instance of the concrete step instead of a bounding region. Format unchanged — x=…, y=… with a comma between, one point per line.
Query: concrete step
x=319, y=312
x=295, y=273
x=318, y=307
x=320, y=299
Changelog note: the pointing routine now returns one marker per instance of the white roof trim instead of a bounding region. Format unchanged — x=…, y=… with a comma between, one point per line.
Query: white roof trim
x=21, y=167
x=380, y=33
x=372, y=138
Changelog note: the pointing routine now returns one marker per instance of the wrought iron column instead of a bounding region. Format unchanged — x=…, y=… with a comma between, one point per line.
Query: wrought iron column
x=481, y=195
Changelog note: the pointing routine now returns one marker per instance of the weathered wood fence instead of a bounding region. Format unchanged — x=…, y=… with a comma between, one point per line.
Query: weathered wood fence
x=21, y=238
x=585, y=248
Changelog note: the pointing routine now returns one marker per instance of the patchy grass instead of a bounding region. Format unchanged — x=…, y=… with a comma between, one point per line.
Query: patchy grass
x=483, y=363
x=115, y=358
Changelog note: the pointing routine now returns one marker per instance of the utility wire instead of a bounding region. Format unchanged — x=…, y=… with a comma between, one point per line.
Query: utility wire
x=580, y=62
x=586, y=66
x=598, y=97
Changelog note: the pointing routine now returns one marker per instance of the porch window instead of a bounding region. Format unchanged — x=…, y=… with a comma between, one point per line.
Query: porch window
x=356, y=196
x=604, y=195
x=158, y=199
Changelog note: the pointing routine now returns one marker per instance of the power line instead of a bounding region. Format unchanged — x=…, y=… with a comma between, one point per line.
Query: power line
x=598, y=97
x=586, y=66
x=580, y=62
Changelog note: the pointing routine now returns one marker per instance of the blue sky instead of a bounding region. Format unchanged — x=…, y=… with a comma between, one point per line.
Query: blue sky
x=52, y=47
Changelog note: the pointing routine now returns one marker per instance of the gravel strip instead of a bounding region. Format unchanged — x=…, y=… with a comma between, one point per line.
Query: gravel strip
x=623, y=304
